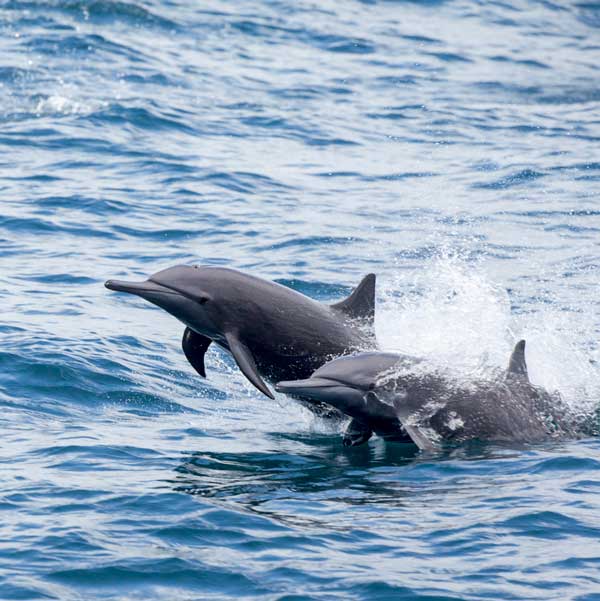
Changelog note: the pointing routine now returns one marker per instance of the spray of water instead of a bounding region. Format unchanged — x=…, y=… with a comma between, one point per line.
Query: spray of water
x=453, y=315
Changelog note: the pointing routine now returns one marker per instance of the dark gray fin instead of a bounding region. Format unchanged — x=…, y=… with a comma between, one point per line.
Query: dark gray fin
x=194, y=347
x=361, y=303
x=243, y=357
x=517, y=367
x=410, y=422
x=356, y=433
x=420, y=438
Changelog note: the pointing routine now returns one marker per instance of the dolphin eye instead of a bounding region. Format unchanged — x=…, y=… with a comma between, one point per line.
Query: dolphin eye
x=202, y=300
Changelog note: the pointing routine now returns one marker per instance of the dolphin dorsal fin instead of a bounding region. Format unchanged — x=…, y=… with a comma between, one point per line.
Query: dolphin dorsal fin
x=517, y=367
x=245, y=361
x=194, y=346
x=361, y=303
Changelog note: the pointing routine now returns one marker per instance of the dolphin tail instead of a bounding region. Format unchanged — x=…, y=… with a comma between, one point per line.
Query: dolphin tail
x=361, y=303
x=194, y=346
x=243, y=357
x=517, y=367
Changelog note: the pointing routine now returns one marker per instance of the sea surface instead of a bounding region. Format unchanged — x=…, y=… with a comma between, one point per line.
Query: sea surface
x=452, y=147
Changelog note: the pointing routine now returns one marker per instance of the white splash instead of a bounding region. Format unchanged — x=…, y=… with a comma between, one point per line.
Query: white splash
x=451, y=313
x=448, y=312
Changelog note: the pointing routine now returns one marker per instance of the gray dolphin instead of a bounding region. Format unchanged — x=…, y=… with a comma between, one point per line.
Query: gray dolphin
x=272, y=331
x=391, y=391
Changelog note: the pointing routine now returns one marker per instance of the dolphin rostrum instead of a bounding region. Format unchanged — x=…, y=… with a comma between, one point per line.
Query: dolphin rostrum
x=388, y=391
x=272, y=331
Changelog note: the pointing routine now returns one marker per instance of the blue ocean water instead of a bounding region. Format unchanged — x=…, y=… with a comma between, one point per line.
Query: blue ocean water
x=450, y=146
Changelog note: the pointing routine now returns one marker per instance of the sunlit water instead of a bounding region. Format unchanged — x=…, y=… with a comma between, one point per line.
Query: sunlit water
x=451, y=147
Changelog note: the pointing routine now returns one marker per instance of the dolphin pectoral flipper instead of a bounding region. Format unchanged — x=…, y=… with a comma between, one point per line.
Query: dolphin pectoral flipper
x=517, y=367
x=245, y=361
x=194, y=347
x=409, y=419
x=361, y=303
x=356, y=433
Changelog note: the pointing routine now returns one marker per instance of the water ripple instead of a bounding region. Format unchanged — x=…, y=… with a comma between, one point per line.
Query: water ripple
x=448, y=147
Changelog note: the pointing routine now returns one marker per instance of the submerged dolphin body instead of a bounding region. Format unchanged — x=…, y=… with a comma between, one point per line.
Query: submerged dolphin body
x=432, y=408
x=273, y=332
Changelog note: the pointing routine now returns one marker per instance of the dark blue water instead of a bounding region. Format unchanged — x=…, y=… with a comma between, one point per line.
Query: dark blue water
x=452, y=147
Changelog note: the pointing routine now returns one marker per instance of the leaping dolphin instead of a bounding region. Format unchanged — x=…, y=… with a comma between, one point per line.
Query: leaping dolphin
x=273, y=332
x=390, y=392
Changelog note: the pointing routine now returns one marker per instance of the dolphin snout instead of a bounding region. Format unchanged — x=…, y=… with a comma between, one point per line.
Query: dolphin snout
x=120, y=285
x=139, y=288
x=343, y=397
x=296, y=386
